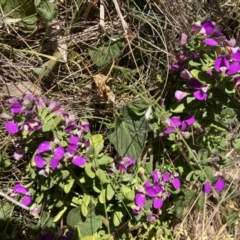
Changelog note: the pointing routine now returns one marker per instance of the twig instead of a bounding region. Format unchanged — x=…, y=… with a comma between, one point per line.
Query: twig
x=12, y=200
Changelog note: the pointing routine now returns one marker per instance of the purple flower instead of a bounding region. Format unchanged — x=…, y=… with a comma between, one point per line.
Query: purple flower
x=140, y=200
x=188, y=121
x=16, y=108
x=125, y=163
x=185, y=74
x=180, y=95
x=230, y=43
x=73, y=144
x=184, y=39
x=35, y=211
x=200, y=93
x=221, y=64
x=79, y=161
x=237, y=82
x=54, y=162
x=39, y=161
x=11, y=127
x=156, y=175
x=166, y=176
x=27, y=200
x=18, y=188
x=152, y=217
x=207, y=188
x=85, y=127
x=18, y=155
x=210, y=42
x=55, y=107
x=157, y=203
x=44, y=147
x=219, y=184
x=176, y=183
x=59, y=152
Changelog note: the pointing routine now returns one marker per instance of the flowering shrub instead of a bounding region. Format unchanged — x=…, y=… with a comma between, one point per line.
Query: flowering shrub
x=66, y=173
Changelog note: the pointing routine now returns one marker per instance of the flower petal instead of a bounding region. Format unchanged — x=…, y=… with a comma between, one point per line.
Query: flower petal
x=59, y=152
x=79, y=161
x=180, y=95
x=234, y=68
x=39, y=161
x=157, y=203
x=219, y=184
x=167, y=131
x=27, y=200
x=184, y=39
x=18, y=155
x=200, y=95
x=11, y=127
x=156, y=175
x=176, y=183
x=54, y=162
x=166, y=176
x=151, y=217
x=210, y=42
x=16, y=108
x=150, y=191
x=209, y=26
x=18, y=188
x=140, y=199
x=44, y=147
x=221, y=62
x=185, y=74
x=236, y=56
x=73, y=139
x=175, y=122
x=207, y=188
x=72, y=148
x=190, y=120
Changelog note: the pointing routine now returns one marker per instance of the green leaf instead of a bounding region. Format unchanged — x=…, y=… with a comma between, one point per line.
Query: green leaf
x=202, y=76
x=47, y=11
x=104, y=160
x=130, y=195
x=200, y=202
x=236, y=143
x=230, y=87
x=87, y=226
x=189, y=196
x=68, y=186
x=194, y=63
x=5, y=210
x=57, y=120
x=88, y=238
x=88, y=170
x=102, y=196
x=110, y=192
x=102, y=176
x=65, y=174
x=84, y=206
x=178, y=108
x=129, y=133
x=60, y=214
x=209, y=173
x=47, y=126
x=232, y=216
x=222, y=97
x=118, y=216
x=104, y=54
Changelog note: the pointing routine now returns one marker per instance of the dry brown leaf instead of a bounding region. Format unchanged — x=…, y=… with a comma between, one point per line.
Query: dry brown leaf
x=104, y=90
